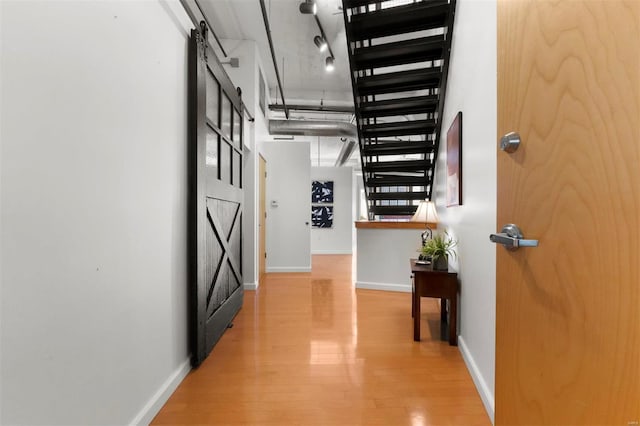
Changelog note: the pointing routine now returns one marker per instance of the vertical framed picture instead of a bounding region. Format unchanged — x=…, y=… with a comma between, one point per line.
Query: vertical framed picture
x=322, y=216
x=322, y=204
x=322, y=191
x=454, y=162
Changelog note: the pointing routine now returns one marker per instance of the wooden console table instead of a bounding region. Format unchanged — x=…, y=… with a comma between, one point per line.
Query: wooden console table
x=440, y=284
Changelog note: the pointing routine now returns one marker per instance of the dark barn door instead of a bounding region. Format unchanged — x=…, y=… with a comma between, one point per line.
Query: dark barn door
x=215, y=144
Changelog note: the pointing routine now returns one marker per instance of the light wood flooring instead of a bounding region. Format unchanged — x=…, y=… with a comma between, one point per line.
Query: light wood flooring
x=309, y=349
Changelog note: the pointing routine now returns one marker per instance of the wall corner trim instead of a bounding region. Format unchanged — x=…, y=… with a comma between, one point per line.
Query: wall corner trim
x=484, y=391
x=155, y=403
x=250, y=286
x=403, y=288
x=289, y=269
x=349, y=251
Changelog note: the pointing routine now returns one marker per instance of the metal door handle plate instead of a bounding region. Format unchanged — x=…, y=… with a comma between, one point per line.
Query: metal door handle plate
x=511, y=238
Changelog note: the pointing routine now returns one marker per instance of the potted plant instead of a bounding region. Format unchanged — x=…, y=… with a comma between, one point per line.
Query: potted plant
x=439, y=248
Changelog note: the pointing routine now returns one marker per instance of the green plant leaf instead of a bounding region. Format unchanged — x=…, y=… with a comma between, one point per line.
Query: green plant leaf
x=440, y=245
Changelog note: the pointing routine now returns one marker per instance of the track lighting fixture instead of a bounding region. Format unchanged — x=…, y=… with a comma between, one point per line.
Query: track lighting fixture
x=320, y=43
x=308, y=7
x=329, y=64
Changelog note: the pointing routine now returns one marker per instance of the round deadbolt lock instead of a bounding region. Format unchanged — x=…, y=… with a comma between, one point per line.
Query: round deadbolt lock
x=510, y=142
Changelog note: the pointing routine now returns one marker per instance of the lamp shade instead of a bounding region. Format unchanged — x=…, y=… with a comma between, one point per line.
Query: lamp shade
x=426, y=212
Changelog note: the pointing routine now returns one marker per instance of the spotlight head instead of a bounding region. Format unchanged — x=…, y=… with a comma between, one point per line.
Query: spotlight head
x=320, y=43
x=329, y=64
x=308, y=7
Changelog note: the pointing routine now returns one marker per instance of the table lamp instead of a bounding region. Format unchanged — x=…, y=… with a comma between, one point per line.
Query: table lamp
x=426, y=213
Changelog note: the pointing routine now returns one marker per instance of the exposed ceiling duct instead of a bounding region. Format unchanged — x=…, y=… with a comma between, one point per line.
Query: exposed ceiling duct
x=312, y=128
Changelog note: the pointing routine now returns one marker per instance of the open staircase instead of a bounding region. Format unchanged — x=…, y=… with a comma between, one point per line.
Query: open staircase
x=399, y=57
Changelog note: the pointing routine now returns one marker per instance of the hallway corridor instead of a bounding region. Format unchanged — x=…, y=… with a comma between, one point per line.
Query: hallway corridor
x=308, y=349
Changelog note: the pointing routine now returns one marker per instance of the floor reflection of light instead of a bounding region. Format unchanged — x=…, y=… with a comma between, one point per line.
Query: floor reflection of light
x=355, y=369
x=334, y=338
x=323, y=352
x=417, y=420
x=354, y=318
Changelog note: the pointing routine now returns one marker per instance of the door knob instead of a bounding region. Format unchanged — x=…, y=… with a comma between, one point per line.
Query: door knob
x=511, y=238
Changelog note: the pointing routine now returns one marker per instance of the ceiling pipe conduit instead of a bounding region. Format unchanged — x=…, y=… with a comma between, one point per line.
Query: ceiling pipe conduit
x=265, y=18
x=314, y=108
x=312, y=128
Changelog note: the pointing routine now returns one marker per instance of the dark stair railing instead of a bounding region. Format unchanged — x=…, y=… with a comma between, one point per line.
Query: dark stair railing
x=399, y=58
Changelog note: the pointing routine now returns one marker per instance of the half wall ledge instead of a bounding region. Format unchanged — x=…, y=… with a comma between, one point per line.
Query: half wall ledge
x=383, y=250
x=380, y=224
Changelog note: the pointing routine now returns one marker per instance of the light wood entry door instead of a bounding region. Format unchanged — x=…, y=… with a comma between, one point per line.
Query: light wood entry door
x=568, y=311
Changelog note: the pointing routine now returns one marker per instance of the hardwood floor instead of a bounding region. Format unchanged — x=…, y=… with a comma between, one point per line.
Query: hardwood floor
x=308, y=349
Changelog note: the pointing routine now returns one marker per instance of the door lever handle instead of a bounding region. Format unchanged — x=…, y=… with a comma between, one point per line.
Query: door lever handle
x=511, y=242
x=511, y=238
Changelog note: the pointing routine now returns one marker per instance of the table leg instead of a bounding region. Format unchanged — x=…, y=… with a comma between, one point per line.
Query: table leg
x=413, y=296
x=453, y=319
x=443, y=319
x=416, y=316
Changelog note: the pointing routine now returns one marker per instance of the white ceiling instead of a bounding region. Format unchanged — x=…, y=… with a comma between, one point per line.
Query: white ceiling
x=292, y=34
x=300, y=63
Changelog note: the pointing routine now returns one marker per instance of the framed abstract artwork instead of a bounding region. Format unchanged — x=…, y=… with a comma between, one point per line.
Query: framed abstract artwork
x=454, y=162
x=322, y=216
x=322, y=192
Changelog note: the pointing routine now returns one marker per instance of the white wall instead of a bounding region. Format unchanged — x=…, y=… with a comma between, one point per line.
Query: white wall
x=472, y=89
x=93, y=210
x=243, y=76
x=336, y=240
x=1, y=237
x=358, y=185
x=383, y=258
x=288, y=224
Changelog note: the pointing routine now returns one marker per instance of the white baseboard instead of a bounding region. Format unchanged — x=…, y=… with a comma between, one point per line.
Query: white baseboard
x=288, y=269
x=155, y=403
x=485, y=394
x=404, y=288
x=348, y=251
x=250, y=286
